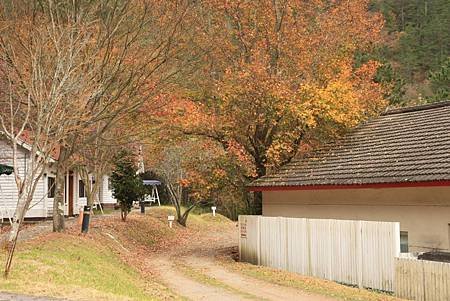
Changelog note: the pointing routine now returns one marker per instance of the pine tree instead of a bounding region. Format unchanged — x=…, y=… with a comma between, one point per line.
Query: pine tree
x=419, y=41
x=440, y=81
x=127, y=185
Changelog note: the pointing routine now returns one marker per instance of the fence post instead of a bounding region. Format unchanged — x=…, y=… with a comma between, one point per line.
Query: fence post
x=286, y=249
x=240, y=238
x=308, y=237
x=359, y=254
x=258, y=239
x=282, y=223
x=396, y=230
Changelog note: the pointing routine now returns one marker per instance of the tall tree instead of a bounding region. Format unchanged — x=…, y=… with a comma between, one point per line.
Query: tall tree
x=133, y=51
x=41, y=70
x=279, y=74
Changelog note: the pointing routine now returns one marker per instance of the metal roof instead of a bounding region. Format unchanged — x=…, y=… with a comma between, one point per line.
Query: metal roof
x=152, y=182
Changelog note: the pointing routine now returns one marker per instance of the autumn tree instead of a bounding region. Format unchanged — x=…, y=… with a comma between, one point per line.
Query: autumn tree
x=97, y=159
x=41, y=71
x=278, y=75
x=71, y=67
x=133, y=51
x=171, y=166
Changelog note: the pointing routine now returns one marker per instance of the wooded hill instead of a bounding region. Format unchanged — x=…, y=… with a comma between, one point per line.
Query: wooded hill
x=416, y=53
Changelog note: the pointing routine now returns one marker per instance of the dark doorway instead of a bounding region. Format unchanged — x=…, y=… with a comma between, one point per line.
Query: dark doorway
x=70, y=195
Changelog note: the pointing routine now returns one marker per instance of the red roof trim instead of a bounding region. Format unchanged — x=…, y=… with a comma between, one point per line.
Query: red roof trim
x=351, y=186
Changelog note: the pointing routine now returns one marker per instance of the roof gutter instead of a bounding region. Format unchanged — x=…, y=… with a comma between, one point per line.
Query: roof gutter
x=352, y=186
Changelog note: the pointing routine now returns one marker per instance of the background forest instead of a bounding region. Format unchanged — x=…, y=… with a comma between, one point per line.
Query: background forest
x=416, y=53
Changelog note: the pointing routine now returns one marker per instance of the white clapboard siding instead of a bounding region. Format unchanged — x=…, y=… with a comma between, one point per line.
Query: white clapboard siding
x=8, y=188
x=353, y=252
x=106, y=192
x=422, y=280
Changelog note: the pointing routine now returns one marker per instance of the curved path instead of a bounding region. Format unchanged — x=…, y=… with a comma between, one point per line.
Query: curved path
x=194, y=273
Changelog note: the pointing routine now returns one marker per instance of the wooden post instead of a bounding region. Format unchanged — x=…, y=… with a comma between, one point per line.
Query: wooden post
x=258, y=235
x=240, y=240
x=308, y=238
x=359, y=253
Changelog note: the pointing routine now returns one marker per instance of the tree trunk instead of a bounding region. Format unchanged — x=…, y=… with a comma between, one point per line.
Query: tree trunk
x=261, y=171
x=182, y=220
x=15, y=229
x=58, y=200
x=123, y=214
x=178, y=210
x=257, y=203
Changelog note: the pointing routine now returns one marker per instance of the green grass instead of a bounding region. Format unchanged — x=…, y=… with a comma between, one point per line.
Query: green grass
x=105, y=211
x=196, y=219
x=77, y=268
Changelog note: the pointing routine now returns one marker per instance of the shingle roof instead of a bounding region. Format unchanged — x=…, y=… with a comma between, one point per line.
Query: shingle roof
x=402, y=145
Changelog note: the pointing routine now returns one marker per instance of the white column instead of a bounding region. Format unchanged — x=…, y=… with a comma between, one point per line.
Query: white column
x=66, y=194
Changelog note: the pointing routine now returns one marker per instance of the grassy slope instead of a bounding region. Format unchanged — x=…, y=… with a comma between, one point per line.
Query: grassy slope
x=96, y=266
x=76, y=268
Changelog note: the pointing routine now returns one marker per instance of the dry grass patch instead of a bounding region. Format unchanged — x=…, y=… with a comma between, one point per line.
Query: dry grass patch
x=306, y=284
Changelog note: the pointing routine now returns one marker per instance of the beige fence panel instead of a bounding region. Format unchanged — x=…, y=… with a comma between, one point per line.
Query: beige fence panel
x=249, y=239
x=273, y=242
x=298, y=246
x=343, y=262
x=353, y=252
x=422, y=280
x=380, y=245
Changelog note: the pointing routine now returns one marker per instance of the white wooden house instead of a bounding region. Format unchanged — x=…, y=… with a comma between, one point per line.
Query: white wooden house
x=42, y=204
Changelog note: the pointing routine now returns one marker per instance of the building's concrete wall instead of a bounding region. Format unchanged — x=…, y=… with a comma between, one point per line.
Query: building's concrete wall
x=423, y=212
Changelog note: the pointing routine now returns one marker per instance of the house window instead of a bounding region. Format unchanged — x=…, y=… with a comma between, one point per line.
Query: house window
x=81, y=189
x=51, y=187
x=404, y=242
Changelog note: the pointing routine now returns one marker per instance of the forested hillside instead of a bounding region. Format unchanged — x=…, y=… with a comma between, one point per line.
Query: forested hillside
x=416, y=53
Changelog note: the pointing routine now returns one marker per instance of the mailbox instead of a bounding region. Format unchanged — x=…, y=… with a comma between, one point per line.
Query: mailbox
x=170, y=218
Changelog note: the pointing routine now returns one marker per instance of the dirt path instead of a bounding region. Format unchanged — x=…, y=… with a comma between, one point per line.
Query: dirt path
x=194, y=273
x=252, y=286
x=188, y=287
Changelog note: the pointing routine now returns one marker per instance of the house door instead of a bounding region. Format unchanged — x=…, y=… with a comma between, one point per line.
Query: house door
x=70, y=195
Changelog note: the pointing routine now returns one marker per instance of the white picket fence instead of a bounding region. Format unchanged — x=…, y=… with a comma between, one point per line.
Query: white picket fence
x=353, y=252
x=422, y=280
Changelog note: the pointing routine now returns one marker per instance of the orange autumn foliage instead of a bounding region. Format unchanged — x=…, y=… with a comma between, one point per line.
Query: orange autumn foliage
x=271, y=79
x=279, y=74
